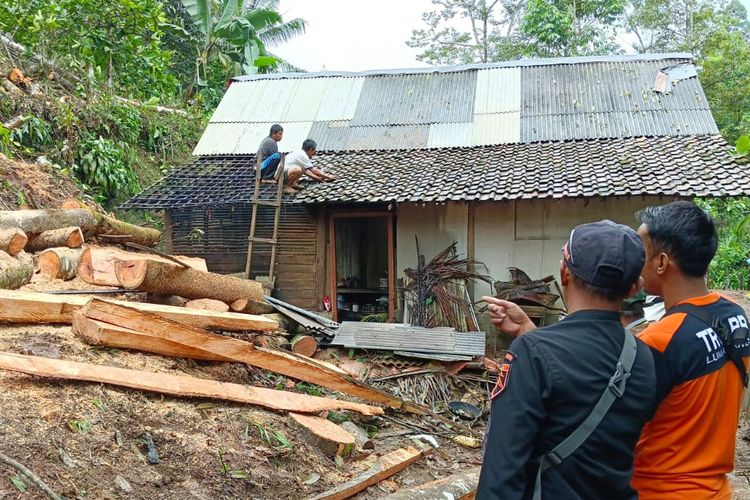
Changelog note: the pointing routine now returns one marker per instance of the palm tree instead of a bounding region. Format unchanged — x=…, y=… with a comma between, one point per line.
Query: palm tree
x=237, y=35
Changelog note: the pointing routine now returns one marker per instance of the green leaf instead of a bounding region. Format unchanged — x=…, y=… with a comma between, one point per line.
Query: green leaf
x=743, y=145
x=18, y=483
x=238, y=474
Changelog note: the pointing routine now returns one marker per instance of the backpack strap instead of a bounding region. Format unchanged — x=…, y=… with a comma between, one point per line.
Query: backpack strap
x=614, y=390
x=732, y=340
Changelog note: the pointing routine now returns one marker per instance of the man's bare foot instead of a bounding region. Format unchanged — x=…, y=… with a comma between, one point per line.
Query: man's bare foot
x=298, y=187
x=289, y=190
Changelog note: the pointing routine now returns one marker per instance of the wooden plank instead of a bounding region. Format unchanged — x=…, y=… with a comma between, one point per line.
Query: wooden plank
x=31, y=307
x=330, y=438
x=285, y=363
x=96, y=332
x=177, y=385
x=385, y=467
x=458, y=485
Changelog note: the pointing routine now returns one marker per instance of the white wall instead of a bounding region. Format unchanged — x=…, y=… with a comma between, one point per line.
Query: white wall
x=436, y=226
x=523, y=234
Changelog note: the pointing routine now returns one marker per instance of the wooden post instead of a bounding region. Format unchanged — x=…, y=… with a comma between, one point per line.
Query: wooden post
x=470, y=244
x=332, y=262
x=391, y=268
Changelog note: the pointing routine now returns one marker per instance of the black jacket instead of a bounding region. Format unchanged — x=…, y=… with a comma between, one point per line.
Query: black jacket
x=555, y=377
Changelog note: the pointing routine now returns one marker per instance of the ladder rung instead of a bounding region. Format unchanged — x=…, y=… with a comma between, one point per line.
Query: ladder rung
x=267, y=203
x=270, y=241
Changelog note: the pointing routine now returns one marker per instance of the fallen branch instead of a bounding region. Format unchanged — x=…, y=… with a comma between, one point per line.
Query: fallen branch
x=178, y=385
x=456, y=486
x=30, y=476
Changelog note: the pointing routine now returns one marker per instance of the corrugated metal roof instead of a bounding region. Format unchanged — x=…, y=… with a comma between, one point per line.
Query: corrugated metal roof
x=445, y=135
x=498, y=90
x=244, y=138
x=340, y=99
x=517, y=63
x=496, y=128
x=602, y=87
x=303, y=102
x=618, y=124
x=416, y=99
x=559, y=99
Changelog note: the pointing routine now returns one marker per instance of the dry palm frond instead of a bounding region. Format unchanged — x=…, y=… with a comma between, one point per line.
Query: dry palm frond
x=437, y=293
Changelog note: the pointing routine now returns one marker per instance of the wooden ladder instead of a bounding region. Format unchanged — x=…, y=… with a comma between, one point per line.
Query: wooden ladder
x=266, y=281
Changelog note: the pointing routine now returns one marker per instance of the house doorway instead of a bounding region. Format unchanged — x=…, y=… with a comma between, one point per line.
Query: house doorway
x=362, y=277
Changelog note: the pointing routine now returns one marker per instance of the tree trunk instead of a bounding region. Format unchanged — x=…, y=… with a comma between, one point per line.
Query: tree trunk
x=207, y=305
x=304, y=345
x=15, y=271
x=59, y=263
x=71, y=237
x=31, y=307
x=12, y=240
x=106, y=225
x=251, y=306
x=169, y=279
x=330, y=438
x=38, y=221
x=97, y=265
x=177, y=385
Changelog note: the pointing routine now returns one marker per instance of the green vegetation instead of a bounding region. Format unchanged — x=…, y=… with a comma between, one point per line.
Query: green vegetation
x=103, y=67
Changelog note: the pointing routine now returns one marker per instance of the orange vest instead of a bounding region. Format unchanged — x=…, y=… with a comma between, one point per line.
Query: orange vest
x=687, y=449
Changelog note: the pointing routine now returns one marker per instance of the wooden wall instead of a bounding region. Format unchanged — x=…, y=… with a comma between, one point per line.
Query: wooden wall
x=219, y=235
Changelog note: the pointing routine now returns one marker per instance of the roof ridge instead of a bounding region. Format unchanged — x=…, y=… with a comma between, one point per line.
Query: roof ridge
x=518, y=63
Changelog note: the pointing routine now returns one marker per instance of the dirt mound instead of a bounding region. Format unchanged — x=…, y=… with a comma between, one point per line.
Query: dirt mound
x=33, y=185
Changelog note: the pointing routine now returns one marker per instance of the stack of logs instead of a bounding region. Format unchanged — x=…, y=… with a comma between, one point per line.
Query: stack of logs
x=56, y=236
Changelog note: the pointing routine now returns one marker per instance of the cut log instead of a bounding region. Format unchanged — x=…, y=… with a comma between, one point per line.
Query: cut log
x=251, y=306
x=97, y=265
x=59, y=263
x=15, y=271
x=169, y=279
x=38, y=221
x=71, y=237
x=95, y=332
x=361, y=439
x=104, y=224
x=285, y=363
x=330, y=438
x=12, y=240
x=32, y=307
x=455, y=486
x=384, y=467
x=177, y=385
x=304, y=345
x=207, y=305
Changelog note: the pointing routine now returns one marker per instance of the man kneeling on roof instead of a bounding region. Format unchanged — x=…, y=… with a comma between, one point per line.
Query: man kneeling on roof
x=300, y=163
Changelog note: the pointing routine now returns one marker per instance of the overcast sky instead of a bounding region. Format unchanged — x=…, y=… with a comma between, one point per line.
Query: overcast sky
x=356, y=35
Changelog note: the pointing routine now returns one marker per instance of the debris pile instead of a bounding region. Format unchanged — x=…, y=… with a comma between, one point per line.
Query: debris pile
x=98, y=278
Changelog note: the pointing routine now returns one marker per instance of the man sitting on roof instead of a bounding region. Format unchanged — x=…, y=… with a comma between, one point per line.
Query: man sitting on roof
x=268, y=152
x=300, y=162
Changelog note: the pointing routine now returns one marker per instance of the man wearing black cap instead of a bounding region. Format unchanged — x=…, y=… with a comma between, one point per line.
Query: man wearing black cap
x=571, y=398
